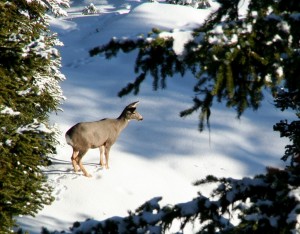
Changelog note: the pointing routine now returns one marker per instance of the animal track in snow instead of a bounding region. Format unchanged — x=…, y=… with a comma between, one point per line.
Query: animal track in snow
x=58, y=188
x=58, y=191
x=58, y=178
x=74, y=176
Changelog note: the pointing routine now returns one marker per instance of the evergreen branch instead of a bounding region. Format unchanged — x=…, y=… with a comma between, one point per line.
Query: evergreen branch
x=133, y=87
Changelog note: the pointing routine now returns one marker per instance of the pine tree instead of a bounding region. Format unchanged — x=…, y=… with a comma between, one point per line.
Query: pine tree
x=29, y=91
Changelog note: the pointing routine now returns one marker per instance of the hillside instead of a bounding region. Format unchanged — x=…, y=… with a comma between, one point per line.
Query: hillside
x=163, y=154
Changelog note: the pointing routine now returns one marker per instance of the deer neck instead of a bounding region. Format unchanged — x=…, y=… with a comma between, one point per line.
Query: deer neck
x=122, y=122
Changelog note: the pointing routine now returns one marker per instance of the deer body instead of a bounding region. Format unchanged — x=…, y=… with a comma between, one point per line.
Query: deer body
x=94, y=134
x=100, y=134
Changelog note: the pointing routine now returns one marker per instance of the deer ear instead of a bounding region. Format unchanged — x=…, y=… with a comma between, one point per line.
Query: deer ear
x=133, y=105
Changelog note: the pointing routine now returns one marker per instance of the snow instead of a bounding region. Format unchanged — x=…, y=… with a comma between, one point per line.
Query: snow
x=8, y=142
x=24, y=92
x=162, y=155
x=180, y=39
x=189, y=208
x=34, y=127
x=8, y=111
x=284, y=26
x=295, y=193
x=294, y=216
x=254, y=14
x=279, y=71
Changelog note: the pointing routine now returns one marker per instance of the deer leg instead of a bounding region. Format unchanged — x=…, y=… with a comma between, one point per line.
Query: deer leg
x=74, y=159
x=80, y=155
x=101, y=148
x=107, y=149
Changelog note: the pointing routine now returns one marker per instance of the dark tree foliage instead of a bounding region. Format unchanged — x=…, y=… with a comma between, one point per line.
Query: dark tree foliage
x=290, y=130
x=233, y=58
x=29, y=74
x=156, y=58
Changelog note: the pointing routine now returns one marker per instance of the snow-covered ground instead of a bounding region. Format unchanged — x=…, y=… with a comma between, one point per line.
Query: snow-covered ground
x=163, y=154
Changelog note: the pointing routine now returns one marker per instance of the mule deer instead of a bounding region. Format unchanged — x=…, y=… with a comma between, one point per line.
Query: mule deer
x=100, y=134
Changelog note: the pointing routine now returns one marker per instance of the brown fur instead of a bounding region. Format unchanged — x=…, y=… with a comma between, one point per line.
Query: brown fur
x=100, y=134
